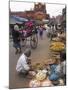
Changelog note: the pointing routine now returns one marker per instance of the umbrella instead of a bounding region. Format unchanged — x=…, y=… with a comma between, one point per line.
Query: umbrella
x=17, y=18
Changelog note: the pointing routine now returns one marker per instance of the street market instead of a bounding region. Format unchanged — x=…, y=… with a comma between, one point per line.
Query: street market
x=37, y=49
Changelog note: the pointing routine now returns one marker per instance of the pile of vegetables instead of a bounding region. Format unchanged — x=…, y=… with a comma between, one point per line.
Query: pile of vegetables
x=38, y=66
x=57, y=46
x=40, y=79
x=40, y=75
x=35, y=83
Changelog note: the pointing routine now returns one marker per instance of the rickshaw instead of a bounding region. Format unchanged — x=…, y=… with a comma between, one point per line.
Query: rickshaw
x=29, y=33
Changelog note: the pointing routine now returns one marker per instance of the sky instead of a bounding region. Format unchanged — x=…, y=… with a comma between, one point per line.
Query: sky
x=52, y=9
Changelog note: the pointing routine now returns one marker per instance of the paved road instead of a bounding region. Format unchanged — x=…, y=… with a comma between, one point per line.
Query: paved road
x=40, y=54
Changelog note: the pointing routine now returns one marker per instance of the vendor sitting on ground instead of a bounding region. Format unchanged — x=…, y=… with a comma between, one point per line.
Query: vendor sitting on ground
x=23, y=64
x=58, y=70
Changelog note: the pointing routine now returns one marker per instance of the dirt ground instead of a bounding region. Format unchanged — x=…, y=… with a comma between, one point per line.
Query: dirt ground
x=40, y=54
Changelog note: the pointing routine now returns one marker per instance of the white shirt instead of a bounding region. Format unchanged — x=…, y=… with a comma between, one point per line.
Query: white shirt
x=64, y=67
x=22, y=65
x=16, y=27
x=47, y=29
x=61, y=68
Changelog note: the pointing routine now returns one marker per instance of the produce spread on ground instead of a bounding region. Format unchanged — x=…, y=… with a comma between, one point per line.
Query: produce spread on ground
x=42, y=71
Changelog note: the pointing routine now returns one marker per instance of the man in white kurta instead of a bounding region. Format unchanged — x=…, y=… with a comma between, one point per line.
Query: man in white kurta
x=22, y=64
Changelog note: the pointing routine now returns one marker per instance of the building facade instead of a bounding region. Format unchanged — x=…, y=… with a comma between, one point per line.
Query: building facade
x=38, y=13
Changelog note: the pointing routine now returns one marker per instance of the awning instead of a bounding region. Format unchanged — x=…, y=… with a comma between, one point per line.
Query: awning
x=15, y=19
